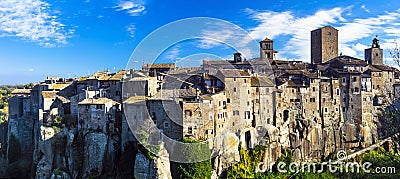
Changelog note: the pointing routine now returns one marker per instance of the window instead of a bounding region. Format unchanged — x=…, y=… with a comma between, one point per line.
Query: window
x=234, y=79
x=326, y=109
x=313, y=88
x=166, y=124
x=228, y=100
x=337, y=91
x=247, y=114
x=188, y=113
x=234, y=89
x=248, y=91
x=312, y=100
x=244, y=80
x=99, y=106
x=190, y=130
x=356, y=89
x=354, y=79
x=118, y=93
x=257, y=90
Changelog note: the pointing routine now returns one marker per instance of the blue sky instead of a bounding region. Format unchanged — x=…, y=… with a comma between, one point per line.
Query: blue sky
x=72, y=38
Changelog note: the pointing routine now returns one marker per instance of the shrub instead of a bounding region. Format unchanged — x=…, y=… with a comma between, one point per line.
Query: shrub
x=192, y=154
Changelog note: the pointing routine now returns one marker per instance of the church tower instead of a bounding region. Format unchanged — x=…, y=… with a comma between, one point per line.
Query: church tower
x=374, y=55
x=267, y=51
x=324, y=44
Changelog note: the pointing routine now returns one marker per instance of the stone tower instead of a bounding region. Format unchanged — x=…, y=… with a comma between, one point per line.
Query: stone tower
x=324, y=44
x=267, y=51
x=374, y=55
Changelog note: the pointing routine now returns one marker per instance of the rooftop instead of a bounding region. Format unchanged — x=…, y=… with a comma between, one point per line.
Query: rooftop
x=21, y=91
x=97, y=101
x=161, y=65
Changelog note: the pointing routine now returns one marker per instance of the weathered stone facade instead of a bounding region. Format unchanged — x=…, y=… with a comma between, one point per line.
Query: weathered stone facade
x=312, y=109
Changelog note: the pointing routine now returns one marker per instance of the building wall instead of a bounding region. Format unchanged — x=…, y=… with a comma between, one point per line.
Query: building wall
x=324, y=44
x=199, y=119
x=94, y=117
x=167, y=115
x=374, y=56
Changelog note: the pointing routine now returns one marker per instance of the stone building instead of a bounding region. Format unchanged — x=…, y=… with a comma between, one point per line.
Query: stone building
x=324, y=44
x=98, y=114
x=20, y=104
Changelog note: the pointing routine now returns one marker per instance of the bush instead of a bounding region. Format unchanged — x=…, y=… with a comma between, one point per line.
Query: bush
x=193, y=153
x=249, y=160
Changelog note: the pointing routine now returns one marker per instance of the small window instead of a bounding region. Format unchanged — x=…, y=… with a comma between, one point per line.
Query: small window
x=234, y=89
x=99, y=106
x=188, y=113
x=166, y=124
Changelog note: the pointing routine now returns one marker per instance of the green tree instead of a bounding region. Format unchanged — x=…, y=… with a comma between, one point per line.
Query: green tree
x=193, y=153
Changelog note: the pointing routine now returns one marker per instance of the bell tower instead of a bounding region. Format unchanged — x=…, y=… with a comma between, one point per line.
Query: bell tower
x=374, y=55
x=267, y=51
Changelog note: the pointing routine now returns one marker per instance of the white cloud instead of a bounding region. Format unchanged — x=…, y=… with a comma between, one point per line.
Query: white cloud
x=212, y=38
x=365, y=8
x=132, y=7
x=226, y=35
x=273, y=24
x=174, y=53
x=352, y=32
x=31, y=69
x=366, y=28
x=131, y=28
x=32, y=21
